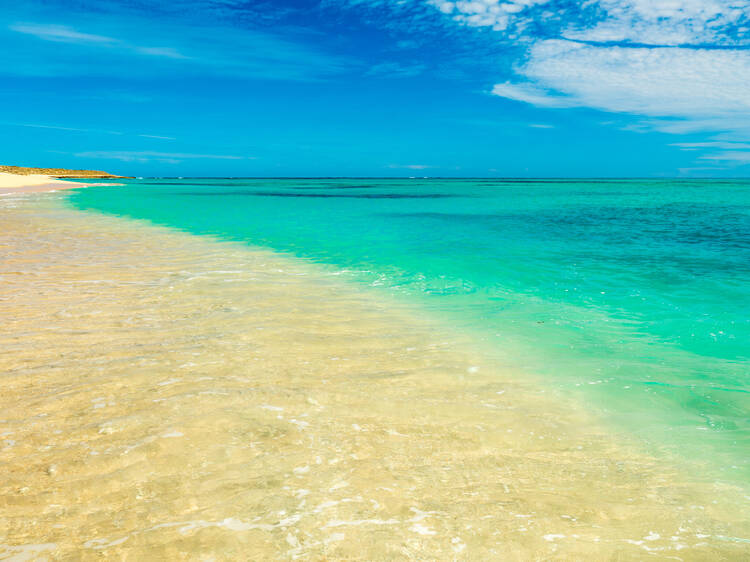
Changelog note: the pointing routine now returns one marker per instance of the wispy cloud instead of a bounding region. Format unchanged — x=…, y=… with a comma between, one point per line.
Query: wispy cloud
x=160, y=137
x=737, y=125
x=730, y=153
x=713, y=144
x=61, y=128
x=149, y=156
x=700, y=170
x=61, y=33
x=167, y=52
x=409, y=166
x=395, y=70
x=735, y=157
x=89, y=131
x=533, y=94
x=178, y=48
x=541, y=126
x=65, y=34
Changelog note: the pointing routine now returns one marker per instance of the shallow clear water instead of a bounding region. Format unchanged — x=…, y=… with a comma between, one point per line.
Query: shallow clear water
x=633, y=293
x=172, y=396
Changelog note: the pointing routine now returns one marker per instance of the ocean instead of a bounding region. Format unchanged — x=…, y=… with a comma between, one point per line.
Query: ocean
x=631, y=295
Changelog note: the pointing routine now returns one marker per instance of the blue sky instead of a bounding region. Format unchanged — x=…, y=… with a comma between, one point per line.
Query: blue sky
x=378, y=87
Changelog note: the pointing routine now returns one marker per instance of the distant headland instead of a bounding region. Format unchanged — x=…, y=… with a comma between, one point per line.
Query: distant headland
x=58, y=172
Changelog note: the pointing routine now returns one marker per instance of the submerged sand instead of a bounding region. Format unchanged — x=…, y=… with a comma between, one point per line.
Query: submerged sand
x=167, y=396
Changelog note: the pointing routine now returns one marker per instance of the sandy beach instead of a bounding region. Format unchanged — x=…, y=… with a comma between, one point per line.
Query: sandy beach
x=36, y=183
x=171, y=395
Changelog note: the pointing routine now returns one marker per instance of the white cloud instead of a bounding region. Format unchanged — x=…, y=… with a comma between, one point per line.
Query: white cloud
x=703, y=89
x=665, y=22
x=541, y=126
x=656, y=22
x=680, y=63
x=650, y=81
x=497, y=14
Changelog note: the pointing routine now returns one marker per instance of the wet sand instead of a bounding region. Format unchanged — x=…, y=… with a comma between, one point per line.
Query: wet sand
x=167, y=396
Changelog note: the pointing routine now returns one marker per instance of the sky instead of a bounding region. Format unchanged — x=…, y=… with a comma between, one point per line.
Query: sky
x=483, y=88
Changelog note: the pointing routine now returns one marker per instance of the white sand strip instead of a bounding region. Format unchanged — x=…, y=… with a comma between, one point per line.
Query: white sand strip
x=15, y=183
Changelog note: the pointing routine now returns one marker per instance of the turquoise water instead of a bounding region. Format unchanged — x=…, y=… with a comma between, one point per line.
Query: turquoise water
x=633, y=295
